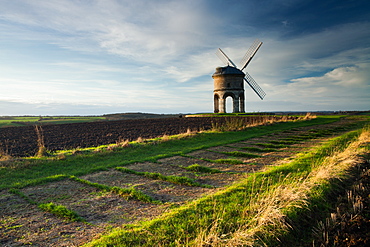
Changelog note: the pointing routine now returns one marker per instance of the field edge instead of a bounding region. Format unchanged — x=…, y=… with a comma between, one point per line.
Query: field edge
x=158, y=230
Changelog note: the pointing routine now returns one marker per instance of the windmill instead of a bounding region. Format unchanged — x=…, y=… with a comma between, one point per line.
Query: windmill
x=229, y=81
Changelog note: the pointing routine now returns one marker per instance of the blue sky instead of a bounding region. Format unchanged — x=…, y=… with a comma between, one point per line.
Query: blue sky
x=79, y=57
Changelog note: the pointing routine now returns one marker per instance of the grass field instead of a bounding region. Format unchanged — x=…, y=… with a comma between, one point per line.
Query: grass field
x=10, y=121
x=32, y=120
x=262, y=209
x=38, y=170
x=268, y=208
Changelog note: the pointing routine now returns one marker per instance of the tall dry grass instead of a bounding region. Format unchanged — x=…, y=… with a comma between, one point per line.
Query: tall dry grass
x=4, y=154
x=240, y=123
x=351, y=204
x=265, y=214
x=41, y=151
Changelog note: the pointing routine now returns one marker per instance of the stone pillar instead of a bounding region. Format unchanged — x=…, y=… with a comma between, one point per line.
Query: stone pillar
x=235, y=104
x=242, y=104
x=222, y=105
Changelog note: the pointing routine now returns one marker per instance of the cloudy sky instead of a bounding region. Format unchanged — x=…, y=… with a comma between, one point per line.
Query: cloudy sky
x=90, y=57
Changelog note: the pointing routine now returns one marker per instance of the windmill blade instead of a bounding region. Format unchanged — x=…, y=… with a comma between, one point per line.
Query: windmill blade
x=224, y=58
x=250, y=54
x=253, y=84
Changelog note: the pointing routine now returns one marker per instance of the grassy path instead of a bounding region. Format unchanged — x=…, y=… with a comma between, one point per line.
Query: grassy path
x=35, y=171
x=142, y=182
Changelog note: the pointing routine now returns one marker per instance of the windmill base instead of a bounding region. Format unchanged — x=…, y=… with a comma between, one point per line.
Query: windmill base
x=220, y=101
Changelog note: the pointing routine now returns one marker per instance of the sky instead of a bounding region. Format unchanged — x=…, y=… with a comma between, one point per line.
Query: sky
x=93, y=57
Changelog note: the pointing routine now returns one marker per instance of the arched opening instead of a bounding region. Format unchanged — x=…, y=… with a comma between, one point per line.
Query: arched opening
x=229, y=104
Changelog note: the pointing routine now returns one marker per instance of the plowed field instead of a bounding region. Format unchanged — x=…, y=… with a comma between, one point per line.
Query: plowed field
x=22, y=141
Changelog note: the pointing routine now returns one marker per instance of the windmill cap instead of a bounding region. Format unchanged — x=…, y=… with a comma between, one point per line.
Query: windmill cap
x=228, y=70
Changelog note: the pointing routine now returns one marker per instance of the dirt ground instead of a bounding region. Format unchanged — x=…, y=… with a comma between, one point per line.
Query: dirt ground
x=24, y=224
x=23, y=141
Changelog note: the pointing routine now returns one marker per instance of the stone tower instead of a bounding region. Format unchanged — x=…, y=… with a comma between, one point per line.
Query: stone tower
x=228, y=81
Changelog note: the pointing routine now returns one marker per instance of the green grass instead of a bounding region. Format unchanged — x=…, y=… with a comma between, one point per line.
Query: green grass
x=241, y=154
x=61, y=211
x=32, y=120
x=246, y=208
x=227, y=114
x=271, y=145
x=285, y=142
x=295, y=139
x=35, y=171
x=17, y=121
x=22, y=195
x=225, y=161
x=129, y=193
x=203, y=169
x=259, y=150
x=227, y=208
x=58, y=210
x=172, y=179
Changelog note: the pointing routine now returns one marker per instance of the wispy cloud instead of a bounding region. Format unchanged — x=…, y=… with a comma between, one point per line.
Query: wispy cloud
x=153, y=32
x=162, y=53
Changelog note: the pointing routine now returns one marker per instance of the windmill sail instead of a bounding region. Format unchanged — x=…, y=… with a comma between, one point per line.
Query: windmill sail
x=244, y=63
x=253, y=84
x=224, y=57
x=250, y=53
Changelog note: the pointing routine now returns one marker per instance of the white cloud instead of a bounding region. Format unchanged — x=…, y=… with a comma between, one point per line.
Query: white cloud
x=162, y=53
x=153, y=32
x=343, y=78
x=338, y=89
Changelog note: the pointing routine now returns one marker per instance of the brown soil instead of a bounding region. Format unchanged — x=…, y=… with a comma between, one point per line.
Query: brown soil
x=22, y=141
x=22, y=223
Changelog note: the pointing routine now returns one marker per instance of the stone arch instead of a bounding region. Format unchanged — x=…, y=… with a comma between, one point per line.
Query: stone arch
x=235, y=102
x=216, y=102
x=228, y=94
x=225, y=99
